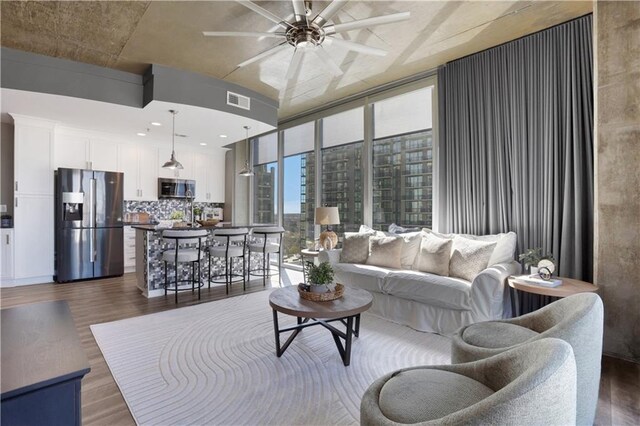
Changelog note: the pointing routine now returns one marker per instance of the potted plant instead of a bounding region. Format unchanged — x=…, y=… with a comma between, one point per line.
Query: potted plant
x=531, y=257
x=197, y=212
x=320, y=277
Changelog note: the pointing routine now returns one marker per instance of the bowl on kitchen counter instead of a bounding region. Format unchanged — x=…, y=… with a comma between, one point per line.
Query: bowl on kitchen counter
x=208, y=222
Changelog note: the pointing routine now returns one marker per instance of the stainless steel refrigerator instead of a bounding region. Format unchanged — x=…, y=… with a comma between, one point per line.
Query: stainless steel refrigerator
x=88, y=224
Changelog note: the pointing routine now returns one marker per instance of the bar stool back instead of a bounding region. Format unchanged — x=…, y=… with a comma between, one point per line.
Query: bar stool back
x=232, y=244
x=269, y=241
x=187, y=246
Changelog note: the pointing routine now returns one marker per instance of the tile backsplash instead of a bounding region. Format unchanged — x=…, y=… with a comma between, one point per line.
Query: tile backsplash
x=162, y=209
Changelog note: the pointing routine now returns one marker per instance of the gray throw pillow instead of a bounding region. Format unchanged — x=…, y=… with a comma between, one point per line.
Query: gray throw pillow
x=434, y=255
x=355, y=247
x=469, y=257
x=386, y=252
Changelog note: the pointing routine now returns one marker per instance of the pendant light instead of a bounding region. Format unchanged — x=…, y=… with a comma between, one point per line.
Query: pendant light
x=247, y=171
x=173, y=163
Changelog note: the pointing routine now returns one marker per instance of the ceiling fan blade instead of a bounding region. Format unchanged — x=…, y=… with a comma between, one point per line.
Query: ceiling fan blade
x=295, y=62
x=264, y=12
x=241, y=34
x=329, y=12
x=277, y=27
x=264, y=54
x=299, y=9
x=369, y=22
x=326, y=59
x=356, y=47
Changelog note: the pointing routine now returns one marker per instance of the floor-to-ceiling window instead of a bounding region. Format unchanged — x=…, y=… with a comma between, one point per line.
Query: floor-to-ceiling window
x=403, y=160
x=265, y=183
x=298, y=190
x=342, y=177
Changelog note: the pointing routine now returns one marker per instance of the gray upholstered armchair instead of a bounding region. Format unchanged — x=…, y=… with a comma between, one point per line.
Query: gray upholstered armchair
x=577, y=319
x=534, y=384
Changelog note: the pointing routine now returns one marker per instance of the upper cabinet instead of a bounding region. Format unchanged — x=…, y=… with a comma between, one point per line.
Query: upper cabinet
x=78, y=151
x=209, y=176
x=139, y=164
x=32, y=156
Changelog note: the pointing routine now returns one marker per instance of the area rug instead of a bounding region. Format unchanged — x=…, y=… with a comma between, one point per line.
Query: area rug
x=215, y=363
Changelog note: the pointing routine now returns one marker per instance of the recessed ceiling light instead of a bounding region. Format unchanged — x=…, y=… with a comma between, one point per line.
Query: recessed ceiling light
x=223, y=136
x=155, y=123
x=203, y=144
x=141, y=134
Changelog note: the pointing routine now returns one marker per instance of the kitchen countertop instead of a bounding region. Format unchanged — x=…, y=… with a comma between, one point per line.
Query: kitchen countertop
x=152, y=228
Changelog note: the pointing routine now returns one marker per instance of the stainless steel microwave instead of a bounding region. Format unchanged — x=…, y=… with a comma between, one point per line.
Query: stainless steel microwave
x=176, y=188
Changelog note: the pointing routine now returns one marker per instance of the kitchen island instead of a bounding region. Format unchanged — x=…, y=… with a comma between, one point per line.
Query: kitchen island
x=150, y=266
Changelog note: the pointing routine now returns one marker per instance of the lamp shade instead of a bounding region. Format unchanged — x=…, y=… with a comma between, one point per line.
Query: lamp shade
x=327, y=216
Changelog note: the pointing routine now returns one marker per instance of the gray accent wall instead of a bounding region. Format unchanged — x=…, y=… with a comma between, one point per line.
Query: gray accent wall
x=44, y=74
x=171, y=85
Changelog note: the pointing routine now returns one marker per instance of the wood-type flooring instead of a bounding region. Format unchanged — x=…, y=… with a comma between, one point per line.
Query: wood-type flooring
x=98, y=301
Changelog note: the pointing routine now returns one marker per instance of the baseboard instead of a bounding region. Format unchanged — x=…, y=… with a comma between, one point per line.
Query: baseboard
x=15, y=282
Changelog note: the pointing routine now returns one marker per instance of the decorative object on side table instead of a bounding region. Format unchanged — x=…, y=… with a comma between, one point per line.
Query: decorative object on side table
x=328, y=216
x=320, y=287
x=534, y=259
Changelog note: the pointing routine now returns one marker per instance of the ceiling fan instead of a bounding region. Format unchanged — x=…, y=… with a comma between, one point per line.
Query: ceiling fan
x=310, y=34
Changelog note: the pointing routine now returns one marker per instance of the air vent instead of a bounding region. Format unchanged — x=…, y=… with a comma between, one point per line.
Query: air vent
x=239, y=101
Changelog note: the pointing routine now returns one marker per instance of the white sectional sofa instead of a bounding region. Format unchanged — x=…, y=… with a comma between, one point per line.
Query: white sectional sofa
x=430, y=302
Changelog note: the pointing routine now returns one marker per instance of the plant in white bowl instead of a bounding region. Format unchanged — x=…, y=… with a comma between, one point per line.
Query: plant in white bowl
x=320, y=277
x=532, y=257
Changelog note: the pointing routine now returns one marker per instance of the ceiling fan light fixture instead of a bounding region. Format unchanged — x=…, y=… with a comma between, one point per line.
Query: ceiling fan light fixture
x=173, y=163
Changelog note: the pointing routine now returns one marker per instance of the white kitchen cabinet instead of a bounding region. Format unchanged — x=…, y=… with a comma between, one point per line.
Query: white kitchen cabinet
x=140, y=167
x=103, y=155
x=6, y=256
x=209, y=176
x=70, y=151
x=32, y=158
x=77, y=151
x=129, y=249
x=34, y=237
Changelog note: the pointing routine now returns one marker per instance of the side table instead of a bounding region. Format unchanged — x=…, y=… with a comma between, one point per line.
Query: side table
x=569, y=286
x=307, y=253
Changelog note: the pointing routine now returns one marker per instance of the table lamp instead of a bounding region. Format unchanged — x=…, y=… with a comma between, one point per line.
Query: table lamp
x=328, y=216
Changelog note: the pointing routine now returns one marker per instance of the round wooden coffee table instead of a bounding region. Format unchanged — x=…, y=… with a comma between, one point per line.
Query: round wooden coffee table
x=346, y=310
x=569, y=287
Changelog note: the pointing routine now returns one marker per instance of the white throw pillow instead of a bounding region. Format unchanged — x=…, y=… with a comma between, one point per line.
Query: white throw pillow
x=410, y=248
x=505, y=244
x=385, y=252
x=434, y=255
x=355, y=247
x=469, y=257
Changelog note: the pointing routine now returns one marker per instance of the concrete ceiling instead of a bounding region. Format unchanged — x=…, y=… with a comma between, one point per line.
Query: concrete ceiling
x=131, y=35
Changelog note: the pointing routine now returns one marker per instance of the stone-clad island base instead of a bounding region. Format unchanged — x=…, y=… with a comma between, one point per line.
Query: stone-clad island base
x=150, y=266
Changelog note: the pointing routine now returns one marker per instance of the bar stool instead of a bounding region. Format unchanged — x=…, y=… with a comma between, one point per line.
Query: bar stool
x=269, y=240
x=234, y=244
x=184, y=250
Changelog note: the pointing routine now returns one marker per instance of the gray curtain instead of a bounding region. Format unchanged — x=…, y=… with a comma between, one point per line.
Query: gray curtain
x=516, y=144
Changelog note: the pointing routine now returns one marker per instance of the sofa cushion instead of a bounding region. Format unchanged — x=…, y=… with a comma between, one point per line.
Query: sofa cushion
x=469, y=257
x=355, y=247
x=496, y=334
x=366, y=277
x=423, y=394
x=434, y=255
x=505, y=244
x=446, y=292
x=385, y=251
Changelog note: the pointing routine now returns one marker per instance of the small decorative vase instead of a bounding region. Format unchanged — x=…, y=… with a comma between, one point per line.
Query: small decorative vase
x=534, y=270
x=322, y=288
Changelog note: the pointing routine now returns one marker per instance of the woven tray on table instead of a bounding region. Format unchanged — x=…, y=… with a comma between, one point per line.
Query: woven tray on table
x=322, y=297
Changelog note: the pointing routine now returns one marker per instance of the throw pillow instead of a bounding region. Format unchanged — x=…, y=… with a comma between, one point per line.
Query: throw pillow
x=434, y=255
x=410, y=248
x=505, y=248
x=355, y=247
x=385, y=252
x=469, y=257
